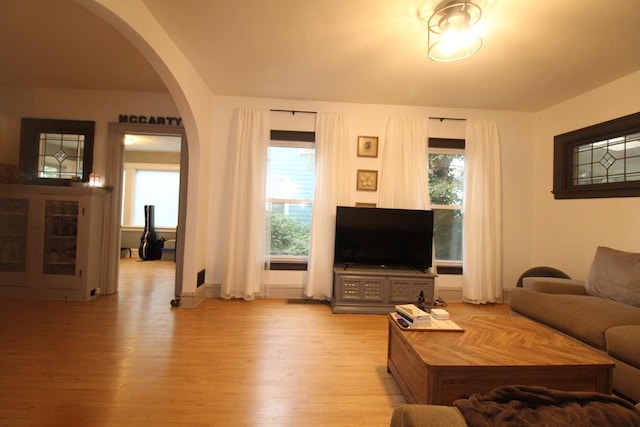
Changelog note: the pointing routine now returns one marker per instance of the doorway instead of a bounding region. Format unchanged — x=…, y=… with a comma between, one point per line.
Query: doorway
x=151, y=177
x=151, y=153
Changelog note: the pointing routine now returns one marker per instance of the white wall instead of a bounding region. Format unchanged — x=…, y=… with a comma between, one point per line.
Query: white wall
x=568, y=231
x=102, y=107
x=516, y=130
x=517, y=139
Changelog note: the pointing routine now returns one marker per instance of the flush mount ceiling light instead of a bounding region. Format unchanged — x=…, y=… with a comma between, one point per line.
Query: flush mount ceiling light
x=453, y=32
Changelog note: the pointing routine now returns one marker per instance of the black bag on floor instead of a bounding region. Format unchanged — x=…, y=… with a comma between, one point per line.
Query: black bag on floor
x=150, y=245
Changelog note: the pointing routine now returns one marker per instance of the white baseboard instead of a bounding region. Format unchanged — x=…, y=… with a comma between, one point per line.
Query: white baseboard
x=449, y=294
x=455, y=294
x=192, y=299
x=212, y=290
x=273, y=291
x=295, y=291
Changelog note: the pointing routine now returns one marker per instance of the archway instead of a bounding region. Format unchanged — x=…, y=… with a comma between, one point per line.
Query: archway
x=193, y=100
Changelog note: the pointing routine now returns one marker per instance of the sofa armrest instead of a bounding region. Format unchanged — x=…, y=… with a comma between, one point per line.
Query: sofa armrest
x=553, y=285
x=415, y=415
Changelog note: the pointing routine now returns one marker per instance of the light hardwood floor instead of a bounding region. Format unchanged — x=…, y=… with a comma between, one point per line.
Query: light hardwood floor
x=130, y=359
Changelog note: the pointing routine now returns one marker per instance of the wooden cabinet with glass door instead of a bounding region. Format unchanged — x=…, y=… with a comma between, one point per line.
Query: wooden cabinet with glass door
x=50, y=241
x=60, y=237
x=14, y=216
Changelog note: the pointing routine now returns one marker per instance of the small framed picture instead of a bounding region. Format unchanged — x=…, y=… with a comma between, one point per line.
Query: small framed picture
x=367, y=180
x=365, y=205
x=367, y=146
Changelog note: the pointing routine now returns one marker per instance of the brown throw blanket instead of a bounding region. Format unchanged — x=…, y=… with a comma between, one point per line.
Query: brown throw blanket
x=539, y=406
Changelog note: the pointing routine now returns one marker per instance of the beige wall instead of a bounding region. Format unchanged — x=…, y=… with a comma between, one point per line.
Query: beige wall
x=9, y=128
x=567, y=232
x=161, y=157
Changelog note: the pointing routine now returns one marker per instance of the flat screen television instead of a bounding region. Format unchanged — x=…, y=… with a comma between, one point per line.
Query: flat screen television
x=394, y=238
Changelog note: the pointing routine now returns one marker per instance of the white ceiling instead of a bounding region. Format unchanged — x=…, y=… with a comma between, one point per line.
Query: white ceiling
x=536, y=53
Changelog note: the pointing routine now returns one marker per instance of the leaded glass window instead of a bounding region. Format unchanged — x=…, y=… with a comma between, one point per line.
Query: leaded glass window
x=607, y=161
x=60, y=155
x=602, y=160
x=56, y=152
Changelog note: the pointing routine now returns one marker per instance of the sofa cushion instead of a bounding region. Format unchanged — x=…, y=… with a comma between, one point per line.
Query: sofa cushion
x=615, y=275
x=623, y=342
x=581, y=316
x=553, y=285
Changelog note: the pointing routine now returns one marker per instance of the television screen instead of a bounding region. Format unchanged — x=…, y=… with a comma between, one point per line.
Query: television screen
x=395, y=238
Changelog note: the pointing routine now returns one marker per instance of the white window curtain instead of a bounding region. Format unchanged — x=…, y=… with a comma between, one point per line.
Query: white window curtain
x=333, y=169
x=244, y=245
x=482, y=241
x=403, y=176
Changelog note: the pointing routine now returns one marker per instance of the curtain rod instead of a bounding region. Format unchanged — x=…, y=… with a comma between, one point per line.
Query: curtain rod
x=447, y=118
x=293, y=112
x=315, y=112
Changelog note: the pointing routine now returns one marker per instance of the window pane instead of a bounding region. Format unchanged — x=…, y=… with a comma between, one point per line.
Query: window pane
x=290, y=225
x=292, y=173
x=607, y=161
x=158, y=188
x=447, y=234
x=60, y=155
x=291, y=185
x=446, y=179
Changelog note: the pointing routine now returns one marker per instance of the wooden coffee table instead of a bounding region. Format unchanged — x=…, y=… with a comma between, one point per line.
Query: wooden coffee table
x=439, y=367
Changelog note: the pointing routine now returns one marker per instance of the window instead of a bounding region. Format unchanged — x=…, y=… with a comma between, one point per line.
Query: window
x=158, y=188
x=290, y=190
x=56, y=151
x=150, y=184
x=446, y=187
x=607, y=161
x=60, y=155
x=598, y=161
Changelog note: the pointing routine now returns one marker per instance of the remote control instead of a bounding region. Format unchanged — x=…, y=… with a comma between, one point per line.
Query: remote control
x=403, y=323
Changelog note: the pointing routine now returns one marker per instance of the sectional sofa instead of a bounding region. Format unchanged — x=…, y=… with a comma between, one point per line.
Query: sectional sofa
x=602, y=311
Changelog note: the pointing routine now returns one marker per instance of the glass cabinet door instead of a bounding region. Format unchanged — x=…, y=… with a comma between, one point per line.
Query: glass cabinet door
x=60, y=237
x=14, y=218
